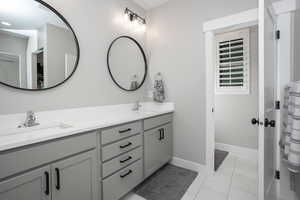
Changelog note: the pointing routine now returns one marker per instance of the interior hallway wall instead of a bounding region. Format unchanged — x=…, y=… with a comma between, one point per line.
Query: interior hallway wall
x=176, y=49
x=96, y=23
x=233, y=112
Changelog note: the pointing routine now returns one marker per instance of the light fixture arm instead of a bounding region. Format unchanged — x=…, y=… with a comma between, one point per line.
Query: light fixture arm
x=132, y=15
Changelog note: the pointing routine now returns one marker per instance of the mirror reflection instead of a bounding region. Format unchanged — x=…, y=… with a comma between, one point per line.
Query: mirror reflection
x=38, y=50
x=127, y=63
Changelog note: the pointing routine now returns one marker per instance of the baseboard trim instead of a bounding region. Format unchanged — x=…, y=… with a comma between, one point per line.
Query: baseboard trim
x=242, y=152
x=179, y=162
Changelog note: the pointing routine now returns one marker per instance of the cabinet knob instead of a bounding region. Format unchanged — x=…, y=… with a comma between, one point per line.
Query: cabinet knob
x=255, y=121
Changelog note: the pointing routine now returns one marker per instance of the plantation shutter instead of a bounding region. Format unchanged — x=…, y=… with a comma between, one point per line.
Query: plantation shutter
x=232, y=71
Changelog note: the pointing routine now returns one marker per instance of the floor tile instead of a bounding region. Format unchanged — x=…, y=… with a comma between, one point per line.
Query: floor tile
x=218, y=182
x=247, y=168
x=207, y=193
x=241, y=195
x=244, y=183
x=227, y=166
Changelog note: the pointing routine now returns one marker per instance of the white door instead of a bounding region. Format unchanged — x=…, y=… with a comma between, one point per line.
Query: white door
x=267, y=96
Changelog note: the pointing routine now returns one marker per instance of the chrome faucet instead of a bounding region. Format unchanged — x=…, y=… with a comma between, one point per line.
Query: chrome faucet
x=30, y=119
x=136, y=106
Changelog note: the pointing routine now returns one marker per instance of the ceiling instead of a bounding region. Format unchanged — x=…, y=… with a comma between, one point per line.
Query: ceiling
x=149, y=4
x=26, y=15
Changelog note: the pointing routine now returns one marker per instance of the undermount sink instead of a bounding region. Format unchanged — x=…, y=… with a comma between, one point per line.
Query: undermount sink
x=41, y=127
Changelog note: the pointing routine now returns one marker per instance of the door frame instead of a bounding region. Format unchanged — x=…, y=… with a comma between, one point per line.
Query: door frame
x=240, y=20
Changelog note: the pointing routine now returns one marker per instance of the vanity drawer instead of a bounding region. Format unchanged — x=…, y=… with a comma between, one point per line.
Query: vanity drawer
x=121, y=161
x=120, y=132
x=119, y=184
x=123, y=146
x=157, y=121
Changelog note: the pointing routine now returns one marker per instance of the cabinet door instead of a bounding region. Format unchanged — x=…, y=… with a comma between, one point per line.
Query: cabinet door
x=158, y=148
x=75, y=178
x=33, y=185
x=166, y=144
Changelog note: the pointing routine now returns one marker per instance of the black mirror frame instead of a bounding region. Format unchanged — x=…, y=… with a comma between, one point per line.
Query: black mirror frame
x=77, y=49
x=144, y=57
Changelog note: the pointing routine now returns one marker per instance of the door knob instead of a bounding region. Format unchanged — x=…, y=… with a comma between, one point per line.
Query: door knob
x=270, y=123
x=255, y=121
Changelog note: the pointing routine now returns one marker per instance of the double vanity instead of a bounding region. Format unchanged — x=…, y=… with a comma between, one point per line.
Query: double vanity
x=103, y=153
x=95, y=153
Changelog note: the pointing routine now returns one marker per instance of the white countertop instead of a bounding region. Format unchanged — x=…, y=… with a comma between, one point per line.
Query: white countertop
x=80, y=119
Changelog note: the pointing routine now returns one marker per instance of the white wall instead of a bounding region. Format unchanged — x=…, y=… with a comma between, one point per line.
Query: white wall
x=96, y=24
x=17, y=45
x=233, y=124
x=176, y=48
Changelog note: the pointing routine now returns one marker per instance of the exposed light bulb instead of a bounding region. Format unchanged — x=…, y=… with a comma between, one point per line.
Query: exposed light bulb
x=135, y=22
x=126, y=17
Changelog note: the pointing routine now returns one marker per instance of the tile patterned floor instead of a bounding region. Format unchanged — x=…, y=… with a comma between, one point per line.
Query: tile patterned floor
x=236, y=179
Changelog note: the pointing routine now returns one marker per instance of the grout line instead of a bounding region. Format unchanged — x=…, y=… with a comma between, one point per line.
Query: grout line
x=231, y=178
x=200, y=187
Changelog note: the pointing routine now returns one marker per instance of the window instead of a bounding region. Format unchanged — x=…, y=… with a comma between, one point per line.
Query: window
x=232, y=70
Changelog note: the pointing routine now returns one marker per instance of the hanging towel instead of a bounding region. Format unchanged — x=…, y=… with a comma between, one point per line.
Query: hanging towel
x=290, y=140
x=159, y=90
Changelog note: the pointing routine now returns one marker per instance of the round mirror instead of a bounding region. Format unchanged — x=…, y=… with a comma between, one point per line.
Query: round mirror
x=127, y=63
x=38, y=47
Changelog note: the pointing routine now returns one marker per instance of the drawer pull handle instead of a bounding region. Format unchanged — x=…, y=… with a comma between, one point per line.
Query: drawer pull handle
x=57, y=179
x=126, y=145
x=125, y=131
x=125, y=160
x=126, y=174
x=47, y=191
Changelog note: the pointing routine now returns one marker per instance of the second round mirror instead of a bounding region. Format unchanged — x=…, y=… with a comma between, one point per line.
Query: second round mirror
x=127, y=63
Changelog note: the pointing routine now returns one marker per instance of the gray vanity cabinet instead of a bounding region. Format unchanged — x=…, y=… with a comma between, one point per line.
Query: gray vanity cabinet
x=158, y=148
x=31, y=185
x=64, y=169
x=72, y=179
x=75, y=178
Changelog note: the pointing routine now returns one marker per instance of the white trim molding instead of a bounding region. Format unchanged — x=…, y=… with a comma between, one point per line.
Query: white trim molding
x=241, y=152
x=285, y=6
x=241, y=20
x=179, y=162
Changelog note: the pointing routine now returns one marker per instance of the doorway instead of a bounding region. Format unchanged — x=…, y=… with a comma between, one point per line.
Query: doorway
x=267, y=86
x=236, y=95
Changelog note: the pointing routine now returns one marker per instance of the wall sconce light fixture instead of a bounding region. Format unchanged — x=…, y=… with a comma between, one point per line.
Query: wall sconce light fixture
x=138, y=21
